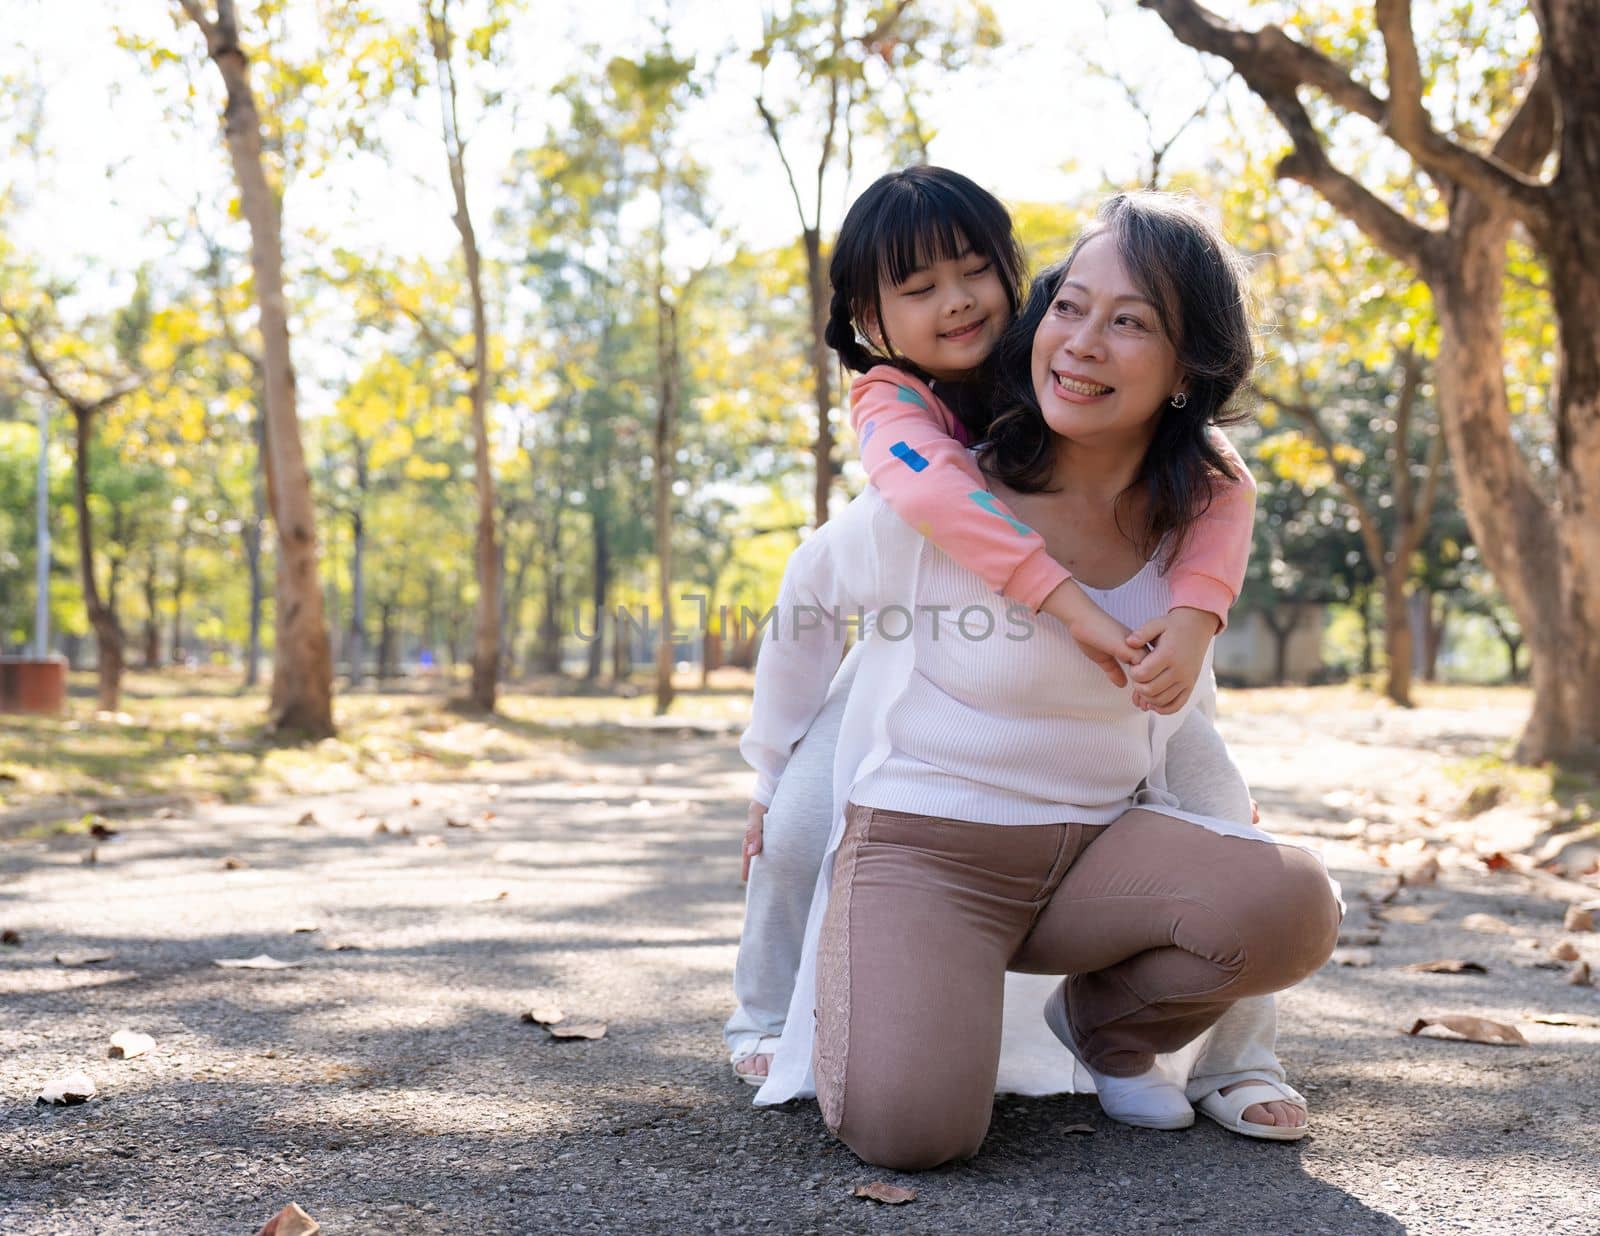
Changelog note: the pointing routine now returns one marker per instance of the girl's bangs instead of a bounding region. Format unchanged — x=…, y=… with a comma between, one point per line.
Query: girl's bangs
x=925, y=228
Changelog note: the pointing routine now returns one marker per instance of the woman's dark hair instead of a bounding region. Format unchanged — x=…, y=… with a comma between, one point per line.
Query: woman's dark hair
x=904, y=221
x=1199, y=287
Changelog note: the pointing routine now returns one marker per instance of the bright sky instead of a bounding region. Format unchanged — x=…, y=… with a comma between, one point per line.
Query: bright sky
x=114, y=162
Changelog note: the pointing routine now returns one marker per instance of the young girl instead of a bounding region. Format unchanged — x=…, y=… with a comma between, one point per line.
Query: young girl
x=926, y=276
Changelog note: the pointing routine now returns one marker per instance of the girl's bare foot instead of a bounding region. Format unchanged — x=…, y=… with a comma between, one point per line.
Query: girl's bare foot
x=1281, y=1112
x=758, y=1064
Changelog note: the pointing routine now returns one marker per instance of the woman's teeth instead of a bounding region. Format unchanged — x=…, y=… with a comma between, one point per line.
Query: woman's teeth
x=1081, y=388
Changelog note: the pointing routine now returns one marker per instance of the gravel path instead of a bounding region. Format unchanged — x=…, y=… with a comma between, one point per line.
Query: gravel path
x=387, y=1084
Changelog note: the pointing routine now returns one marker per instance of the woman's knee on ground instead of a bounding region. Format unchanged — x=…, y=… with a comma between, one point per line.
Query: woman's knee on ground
x=909, y=1138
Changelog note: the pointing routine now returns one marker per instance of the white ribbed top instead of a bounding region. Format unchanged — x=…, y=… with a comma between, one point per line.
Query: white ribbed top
x=1016, y=728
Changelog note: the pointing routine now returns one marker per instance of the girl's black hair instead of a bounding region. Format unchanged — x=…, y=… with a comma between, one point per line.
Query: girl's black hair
x=1200, y=289
x=902, y=222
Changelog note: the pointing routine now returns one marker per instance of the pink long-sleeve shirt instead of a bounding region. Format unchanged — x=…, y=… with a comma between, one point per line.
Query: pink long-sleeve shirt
x=915, y=452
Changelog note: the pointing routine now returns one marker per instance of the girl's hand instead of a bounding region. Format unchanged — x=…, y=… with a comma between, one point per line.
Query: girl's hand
x=1166, y=678
x=1102, y=639
x=753, y=821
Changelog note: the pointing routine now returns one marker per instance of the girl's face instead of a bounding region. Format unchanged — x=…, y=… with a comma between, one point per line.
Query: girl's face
x=946, y=317
x=1103, y=367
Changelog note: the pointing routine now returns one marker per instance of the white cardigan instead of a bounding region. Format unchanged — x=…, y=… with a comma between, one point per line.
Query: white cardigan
x=864, y=562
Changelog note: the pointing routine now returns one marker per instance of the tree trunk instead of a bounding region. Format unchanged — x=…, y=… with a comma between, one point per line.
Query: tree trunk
x=152, y=627
x=1508, y=516
x=486, y=635
x=1433, y=645
x=356, y=642
x=1570, y=727
x=602, y=589
x=666, y=432
x=1397, y=634
x=250, y=534
x=386, y=641
x=821, y=372
x=548, y=660
x=302, y=675
x=180, y=584
x=1369, y=659
x=102, y=617
x=1281, y=634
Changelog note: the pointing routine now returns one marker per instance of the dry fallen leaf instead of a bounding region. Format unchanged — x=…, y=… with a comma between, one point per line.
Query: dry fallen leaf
x=430, y=842
x=416, y=802
x=1578, y=976
x=487, y=815
x=1486, y=922
x=304, y=929
x=1566, y=1019
x=68, y=1089
x=234, y=863
x=1385, y=891
x=1453, y=965
x=1358, y=958
x=1366, y=938
x=81, y=959
x=100, y=832
x=545, y=1015
x=1409, y=914
x=578, y=1030
x=451, y=822
x=382, y=827
x=1564, y=950
x=126, y=1044
x=308, y=820
x=888, y=1194
x=290, y=1221
x=261, y=961
x=341, y=946
x=1472, y=1029
x=1496, y=862
x=1578, y=919
x=8, y=936
x=1425, y=872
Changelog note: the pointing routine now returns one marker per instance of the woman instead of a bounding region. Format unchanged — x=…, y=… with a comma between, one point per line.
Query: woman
x=959, y=849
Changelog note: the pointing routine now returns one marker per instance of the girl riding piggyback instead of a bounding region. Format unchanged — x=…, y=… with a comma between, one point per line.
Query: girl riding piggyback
x=926, y=276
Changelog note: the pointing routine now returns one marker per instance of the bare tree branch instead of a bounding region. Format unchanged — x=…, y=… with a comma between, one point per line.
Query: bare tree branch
x=771, y=122
x=1406, y=121
x=1275, y=66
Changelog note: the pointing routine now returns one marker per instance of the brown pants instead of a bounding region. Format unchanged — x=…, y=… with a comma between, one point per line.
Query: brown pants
x=1161, y=924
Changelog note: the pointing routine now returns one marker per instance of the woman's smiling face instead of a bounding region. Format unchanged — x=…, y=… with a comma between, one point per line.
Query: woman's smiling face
x=1103, y=365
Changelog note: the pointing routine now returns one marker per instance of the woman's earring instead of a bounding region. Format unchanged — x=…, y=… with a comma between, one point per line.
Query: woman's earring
x=1180, y=400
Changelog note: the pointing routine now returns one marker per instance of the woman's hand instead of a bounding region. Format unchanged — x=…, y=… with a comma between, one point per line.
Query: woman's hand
x=1165, y=679
x=1102, y=639
x=753, y=821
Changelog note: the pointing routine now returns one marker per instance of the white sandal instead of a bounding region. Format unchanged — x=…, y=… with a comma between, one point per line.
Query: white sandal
x=1228, y=1110
x=764, y=1046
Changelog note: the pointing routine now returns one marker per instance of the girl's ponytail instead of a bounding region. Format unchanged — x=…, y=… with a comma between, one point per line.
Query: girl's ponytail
x=841, y=335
